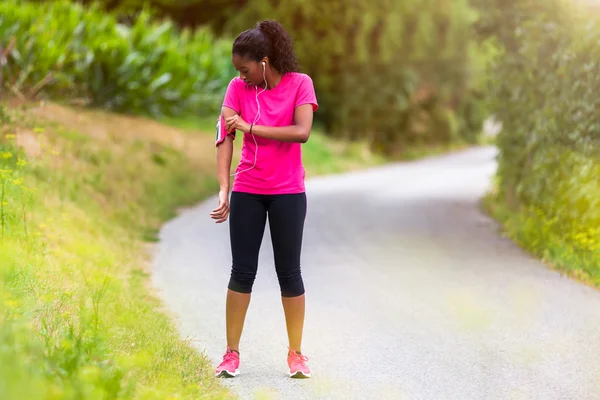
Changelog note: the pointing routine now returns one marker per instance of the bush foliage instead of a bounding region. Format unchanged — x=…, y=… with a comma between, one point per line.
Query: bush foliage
x=545, y=93
x=149, y=67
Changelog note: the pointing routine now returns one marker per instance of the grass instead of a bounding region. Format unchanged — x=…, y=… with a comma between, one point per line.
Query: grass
x=80, y=201
x=574, y=254
x=421, y=151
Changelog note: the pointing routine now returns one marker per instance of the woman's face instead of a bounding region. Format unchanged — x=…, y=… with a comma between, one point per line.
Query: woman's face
x=250, y=71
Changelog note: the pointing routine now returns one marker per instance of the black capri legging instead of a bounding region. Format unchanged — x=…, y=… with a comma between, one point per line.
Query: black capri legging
x=247, y=221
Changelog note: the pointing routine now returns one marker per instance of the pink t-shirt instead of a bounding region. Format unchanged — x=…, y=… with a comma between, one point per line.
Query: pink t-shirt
x=278, y=168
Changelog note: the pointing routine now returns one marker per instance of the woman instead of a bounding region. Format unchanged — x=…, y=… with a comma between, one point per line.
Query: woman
x=273, y=105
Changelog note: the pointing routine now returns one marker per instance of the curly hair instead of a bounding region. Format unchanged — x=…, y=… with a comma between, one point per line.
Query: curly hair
x=269, y=38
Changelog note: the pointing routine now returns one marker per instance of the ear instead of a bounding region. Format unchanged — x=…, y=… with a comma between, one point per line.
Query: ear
x=265, y=60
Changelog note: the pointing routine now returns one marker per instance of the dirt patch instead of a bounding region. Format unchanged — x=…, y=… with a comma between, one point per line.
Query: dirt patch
x=29, y=142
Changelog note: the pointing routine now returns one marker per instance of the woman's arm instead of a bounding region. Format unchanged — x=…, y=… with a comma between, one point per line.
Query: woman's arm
x=225, y=154
x=298, y=132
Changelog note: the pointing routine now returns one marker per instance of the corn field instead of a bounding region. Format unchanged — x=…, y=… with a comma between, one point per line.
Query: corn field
x=83, y=53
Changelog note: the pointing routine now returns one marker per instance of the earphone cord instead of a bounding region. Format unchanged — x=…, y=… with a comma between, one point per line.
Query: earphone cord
x=256, y=118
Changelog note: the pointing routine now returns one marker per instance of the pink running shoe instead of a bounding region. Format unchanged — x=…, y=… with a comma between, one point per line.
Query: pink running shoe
x=297, y=364
x=230, y=366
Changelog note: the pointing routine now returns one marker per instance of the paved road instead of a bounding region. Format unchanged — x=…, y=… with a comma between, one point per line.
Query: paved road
x=411, y=294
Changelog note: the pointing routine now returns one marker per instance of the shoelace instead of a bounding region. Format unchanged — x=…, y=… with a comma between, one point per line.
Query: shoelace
x=298, y=358
x=229, y=356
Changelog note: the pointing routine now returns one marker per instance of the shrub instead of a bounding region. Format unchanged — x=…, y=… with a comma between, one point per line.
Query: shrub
x=544, y=92
x=149, y=67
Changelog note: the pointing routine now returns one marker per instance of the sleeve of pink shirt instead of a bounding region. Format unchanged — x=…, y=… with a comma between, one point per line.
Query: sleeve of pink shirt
x=231, y=100
x=306, y=93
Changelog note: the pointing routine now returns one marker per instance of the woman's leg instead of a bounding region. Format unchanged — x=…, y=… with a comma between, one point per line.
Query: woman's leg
x=246, y=228
x=286, y=221
x=293, y=308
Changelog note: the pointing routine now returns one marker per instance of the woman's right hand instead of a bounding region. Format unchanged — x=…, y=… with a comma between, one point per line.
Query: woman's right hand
x=221, y=213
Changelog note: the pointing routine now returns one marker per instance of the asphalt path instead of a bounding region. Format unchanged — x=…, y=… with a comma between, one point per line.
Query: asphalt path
x=412, y=293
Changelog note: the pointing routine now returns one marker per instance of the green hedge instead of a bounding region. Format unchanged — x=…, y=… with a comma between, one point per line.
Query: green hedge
x=545, y=92
x=149, y=67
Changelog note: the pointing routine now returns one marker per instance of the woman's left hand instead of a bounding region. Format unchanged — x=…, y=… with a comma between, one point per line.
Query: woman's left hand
x=236, y=122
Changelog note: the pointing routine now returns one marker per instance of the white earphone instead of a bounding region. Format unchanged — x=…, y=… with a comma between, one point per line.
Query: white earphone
x=256, y=118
